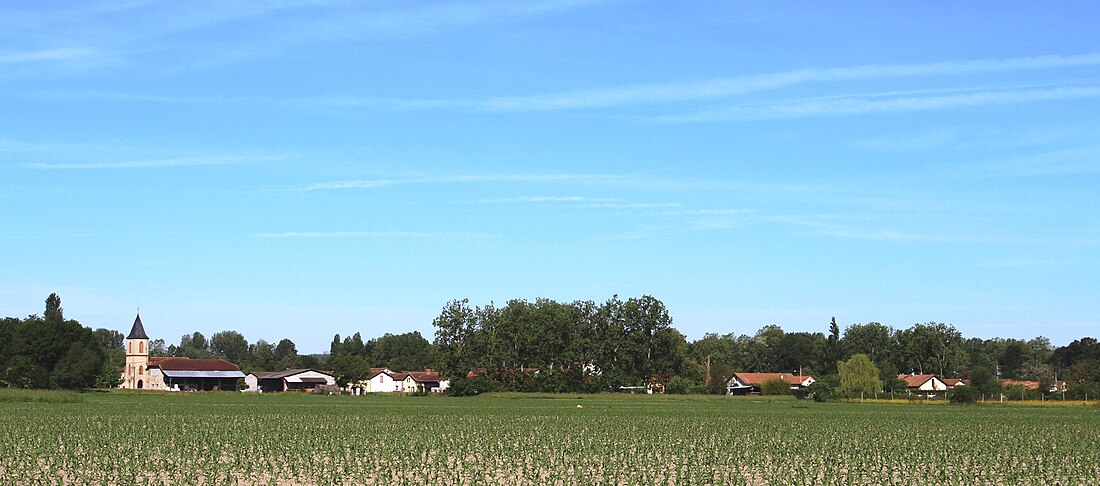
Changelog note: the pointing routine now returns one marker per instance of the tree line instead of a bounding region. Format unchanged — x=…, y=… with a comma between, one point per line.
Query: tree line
x=545, y=345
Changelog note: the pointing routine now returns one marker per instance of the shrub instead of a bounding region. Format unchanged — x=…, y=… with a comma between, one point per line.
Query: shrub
x=466, y=387
x=824, y=389
x=680, y=385
x=963, y=395
x=775, y=386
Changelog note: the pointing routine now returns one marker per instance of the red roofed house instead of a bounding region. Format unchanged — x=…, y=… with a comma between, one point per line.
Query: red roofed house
x=745, y=383
x=954, y=382
x=425, y=381
x=922, y=383
x=1057, y=386
x=173, y=374
x=385, y=380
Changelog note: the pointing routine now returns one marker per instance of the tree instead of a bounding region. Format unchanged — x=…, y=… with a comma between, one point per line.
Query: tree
x=825, y=388
x=932, y=348
x=334, y=348
x=873, y=339
x=230, y=345
x=963, y=395
x=109, y=338
x=286, y=354
x=801, y=352
x=984, y=381
x=54, y=312
x=833, y=353
x=193, y=345
x=408, y=351
x=261, y=356
x=79, y=368
x=858, y=376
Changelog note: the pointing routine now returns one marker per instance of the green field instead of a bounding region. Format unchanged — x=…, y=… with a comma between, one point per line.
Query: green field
x=217, y=438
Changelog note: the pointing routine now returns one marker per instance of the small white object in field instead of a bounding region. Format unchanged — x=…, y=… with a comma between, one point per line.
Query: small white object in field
x=580, y=406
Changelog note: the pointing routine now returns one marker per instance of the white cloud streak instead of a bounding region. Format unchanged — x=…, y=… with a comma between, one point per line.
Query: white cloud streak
x=380, y=183
x=544, y=199
x=881, y=103
x=663, y=93
x=375, y=235
x=47, y=55
x=139, y=164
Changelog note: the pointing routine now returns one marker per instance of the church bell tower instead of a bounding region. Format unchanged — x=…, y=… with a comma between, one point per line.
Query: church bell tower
x=136, y=374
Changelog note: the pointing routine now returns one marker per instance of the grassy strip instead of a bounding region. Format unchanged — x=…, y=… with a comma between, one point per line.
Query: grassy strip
x=11, y=395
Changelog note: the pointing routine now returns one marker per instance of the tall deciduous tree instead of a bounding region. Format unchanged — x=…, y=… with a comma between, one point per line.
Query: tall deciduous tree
x=230, y=345
x=833, y=352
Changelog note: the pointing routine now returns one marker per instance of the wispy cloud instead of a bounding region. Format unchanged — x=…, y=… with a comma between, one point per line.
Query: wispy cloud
x=463, y=179
x=717, y=88
x=544, y=199
x=705, y=212
x=881, y=103
x=140, y=164
x=253, y=29
x=628, y=205
x=376, y=234
x=48, y=55
x=1059, y=162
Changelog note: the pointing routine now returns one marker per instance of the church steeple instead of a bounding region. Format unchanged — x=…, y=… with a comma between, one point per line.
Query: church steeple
x=138, y=331
x=136, y=373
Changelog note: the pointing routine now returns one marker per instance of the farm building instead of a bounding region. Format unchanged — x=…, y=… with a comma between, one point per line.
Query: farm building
x=425, y=381
x=173, y=374
x=1055, y=387
x=287, y=380
x=922, y=383
x=745, y=383
x=954, y=382
x=385, y=380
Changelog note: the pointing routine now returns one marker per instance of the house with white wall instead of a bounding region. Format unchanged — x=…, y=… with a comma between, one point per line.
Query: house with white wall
x=923, y=383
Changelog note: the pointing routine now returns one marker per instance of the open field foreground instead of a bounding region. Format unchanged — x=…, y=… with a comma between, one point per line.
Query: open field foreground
x=218, y=438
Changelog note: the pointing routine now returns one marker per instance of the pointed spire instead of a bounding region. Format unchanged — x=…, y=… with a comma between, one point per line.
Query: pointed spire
x=138, y=331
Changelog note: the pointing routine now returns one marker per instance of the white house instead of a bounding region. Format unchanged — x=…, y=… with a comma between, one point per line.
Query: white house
x=287, y=380
x=923, y=383
x=385, y=380
x=744, y=383
x=381, y=380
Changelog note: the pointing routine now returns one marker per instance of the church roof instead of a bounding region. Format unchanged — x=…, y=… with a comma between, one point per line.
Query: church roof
x=138, y=331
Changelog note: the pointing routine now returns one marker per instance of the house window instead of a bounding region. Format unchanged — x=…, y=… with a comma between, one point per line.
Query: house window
x=141, y=347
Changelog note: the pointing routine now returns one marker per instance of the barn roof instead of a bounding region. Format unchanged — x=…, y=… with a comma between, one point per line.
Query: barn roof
x=189, y=364
x=138, y=331
x=760, y=378
x=423, y=376
x=203, y=374
x=285, y=373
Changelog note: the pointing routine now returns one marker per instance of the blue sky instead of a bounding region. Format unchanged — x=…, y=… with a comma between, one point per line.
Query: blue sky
x=300, y=169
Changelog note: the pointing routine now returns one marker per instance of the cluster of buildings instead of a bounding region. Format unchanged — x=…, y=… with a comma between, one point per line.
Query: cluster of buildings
x=144, y=372
x=748, y=383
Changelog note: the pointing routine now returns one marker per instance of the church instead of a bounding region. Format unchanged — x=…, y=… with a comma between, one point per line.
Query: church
x=144, y=372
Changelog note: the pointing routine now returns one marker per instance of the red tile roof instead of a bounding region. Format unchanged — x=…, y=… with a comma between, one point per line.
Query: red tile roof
x=423, y=376
x=914, y=381
x=760, y=378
